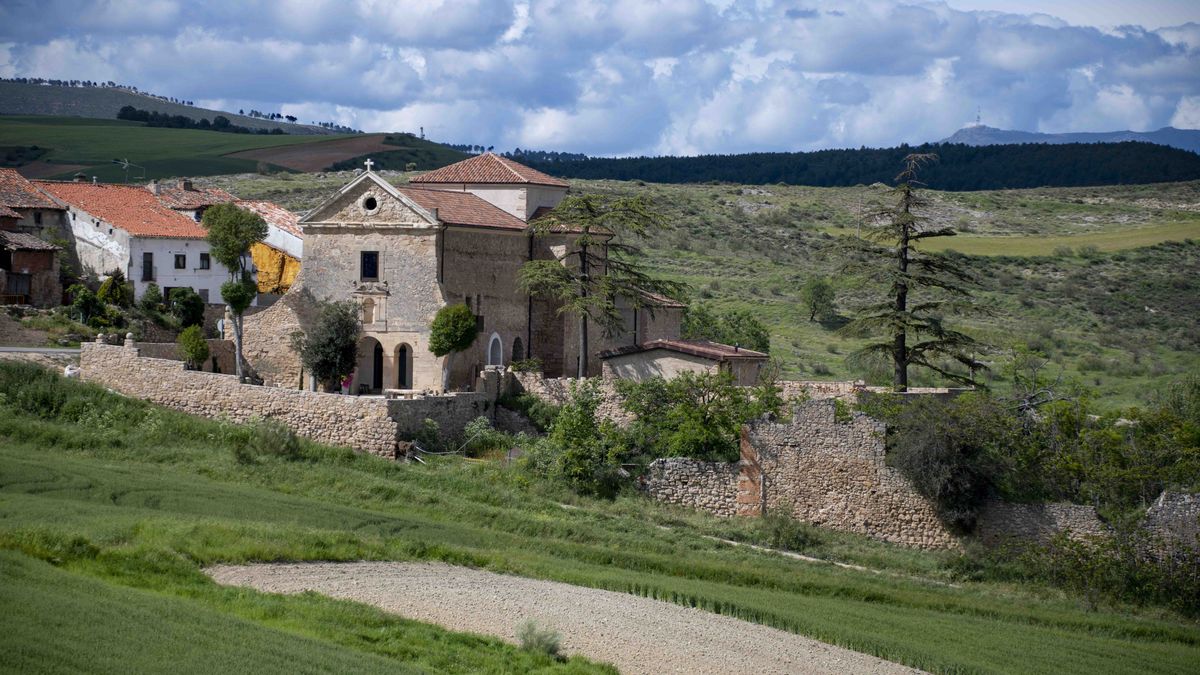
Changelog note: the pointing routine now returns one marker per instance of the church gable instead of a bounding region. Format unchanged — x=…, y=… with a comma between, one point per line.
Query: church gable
x=372, y=202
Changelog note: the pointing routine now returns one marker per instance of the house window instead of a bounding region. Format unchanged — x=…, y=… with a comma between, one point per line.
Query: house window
x=205, y=261
x=37, y=217
x=147, y=266
x=203, y=293
x=370, y=266
x=180, y=261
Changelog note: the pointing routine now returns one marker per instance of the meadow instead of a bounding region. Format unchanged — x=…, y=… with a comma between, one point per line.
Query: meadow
x=110, y=508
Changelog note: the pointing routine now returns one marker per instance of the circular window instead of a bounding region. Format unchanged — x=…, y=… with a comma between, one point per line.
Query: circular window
x=370, y=203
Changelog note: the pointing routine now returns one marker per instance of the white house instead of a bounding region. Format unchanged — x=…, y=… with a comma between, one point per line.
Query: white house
x=127, y=228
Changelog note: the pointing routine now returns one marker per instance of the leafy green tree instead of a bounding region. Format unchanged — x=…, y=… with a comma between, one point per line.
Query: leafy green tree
x=598, y=268
x=187, y=307
x=735, y=327
x=818, y=298
x=231, y=232
x=330, y=350
x=116, y=290
x=578, y=451
x=454, y=328
x=916, y=333
x=152, y=298
x=84, y=303
x=193, y=346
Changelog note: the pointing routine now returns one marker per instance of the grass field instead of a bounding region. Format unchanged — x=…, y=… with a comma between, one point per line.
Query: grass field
x=127, y=502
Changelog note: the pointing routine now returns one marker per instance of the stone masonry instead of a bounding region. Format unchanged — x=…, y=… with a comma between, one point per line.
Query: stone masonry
x=1001, y=522
x=367, y=424
x=706, y=486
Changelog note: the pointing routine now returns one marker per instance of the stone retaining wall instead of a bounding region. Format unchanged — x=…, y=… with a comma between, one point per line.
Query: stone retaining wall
x=707, y=486
x=1001, y=522
x=557, y=391
x=367, y=424
x=1173, y=522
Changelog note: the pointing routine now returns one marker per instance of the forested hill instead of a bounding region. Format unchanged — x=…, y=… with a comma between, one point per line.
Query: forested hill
x=961, y=167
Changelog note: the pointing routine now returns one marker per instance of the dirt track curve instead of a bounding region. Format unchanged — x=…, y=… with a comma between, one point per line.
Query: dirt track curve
x=636, y=634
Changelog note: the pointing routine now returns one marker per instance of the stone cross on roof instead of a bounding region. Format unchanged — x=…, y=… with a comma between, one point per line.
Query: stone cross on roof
x=369, y=164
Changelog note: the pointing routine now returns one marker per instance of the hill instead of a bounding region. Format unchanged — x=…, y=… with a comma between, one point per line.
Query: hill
x=1091, y=277
x=18, y=98
x=978, y=134
x=57, y=147
x=105, y=529
x=961, y=167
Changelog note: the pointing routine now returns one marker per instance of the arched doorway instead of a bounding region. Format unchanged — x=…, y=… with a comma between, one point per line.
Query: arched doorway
x=404, y=359
x=518, y=353
x=495, y=351
x=369, y=375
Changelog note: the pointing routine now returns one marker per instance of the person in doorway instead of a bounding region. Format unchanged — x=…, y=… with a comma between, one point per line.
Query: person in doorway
x=346, y=384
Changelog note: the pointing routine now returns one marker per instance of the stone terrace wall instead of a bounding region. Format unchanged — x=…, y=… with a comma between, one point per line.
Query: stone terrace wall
x=1000, y=522
x=222, y=350
x=707, y=486
x=557, y=391
x=832, y=474
x=1173, y=522
x=368, y=424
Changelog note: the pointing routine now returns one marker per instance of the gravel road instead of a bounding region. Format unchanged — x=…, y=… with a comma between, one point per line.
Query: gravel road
x=636, y=634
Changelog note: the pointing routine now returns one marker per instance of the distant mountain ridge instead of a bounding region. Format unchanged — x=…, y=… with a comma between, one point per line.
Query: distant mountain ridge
x=1184, y=139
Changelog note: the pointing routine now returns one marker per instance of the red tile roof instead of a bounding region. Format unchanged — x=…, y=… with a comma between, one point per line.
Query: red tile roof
x=19, y=241
x=489, y=168
x=6, y=212
x=129, y=207
x=16, y=192
x=462, y=208
x=703, y=348
x=274, y=214
x=175, y=197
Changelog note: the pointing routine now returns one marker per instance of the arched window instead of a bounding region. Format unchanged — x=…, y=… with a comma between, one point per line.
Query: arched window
x=518, y=353
x=495, y=351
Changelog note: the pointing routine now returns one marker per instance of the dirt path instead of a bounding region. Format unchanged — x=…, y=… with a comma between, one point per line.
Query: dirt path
x=637, y=634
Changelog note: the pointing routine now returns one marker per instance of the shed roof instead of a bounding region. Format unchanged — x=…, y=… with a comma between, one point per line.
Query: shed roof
x=702, y=348
x=20, y=241
x=16, y=192
x=489, y=168
x=129, y=207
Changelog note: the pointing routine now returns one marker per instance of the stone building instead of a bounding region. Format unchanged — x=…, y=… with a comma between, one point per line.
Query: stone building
x=29, y=264
x=666, y=358
x=456, y=235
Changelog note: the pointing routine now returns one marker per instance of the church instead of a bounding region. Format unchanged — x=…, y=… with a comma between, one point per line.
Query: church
x=457, y=235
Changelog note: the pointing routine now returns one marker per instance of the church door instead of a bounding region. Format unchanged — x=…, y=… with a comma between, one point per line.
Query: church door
x=403, y=359
x=377, y=368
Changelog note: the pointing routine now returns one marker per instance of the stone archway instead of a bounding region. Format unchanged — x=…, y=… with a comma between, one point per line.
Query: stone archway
x=495, y=353
x=404, y=366
x=368, y=377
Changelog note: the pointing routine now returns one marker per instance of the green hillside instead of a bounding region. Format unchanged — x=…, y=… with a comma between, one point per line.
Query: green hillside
x=110, y=507
x=19, y=98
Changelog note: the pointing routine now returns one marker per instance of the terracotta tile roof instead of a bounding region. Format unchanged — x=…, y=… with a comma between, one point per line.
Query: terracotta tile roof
x=703, y=348
x=6, y=212
x=274, y=214
x=19, y=241
x=489, y=168
x=16, y=192
x=462, y=208
x=129, y=207
x=175, y=197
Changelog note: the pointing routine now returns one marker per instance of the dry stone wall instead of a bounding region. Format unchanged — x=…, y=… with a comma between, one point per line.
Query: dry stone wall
x=557, y=391
x=707, y=486
x=1173, y=523
x=1001, y=522
x=367, y=424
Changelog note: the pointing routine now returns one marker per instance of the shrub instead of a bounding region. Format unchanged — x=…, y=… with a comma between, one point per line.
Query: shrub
x=780, y=530
x=193, y=346
x=583, y=455
x=330, y=350
x=116, y=290
x=454, y=329
x=187, y=307
x=272, y=437
x=480, y=438
x=429, y=437
x=535, y=638
x=152, y=298
x=527, y=365
x=84, y=304
x=539, y=412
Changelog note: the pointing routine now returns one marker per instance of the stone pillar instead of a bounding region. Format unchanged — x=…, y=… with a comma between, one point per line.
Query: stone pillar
x=129, y=343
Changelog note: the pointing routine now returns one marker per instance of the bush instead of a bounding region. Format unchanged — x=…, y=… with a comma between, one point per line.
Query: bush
x=534, y=638
x=116, y=290
x=187, y=307
x=454, y=329
x=583, y=455
x=481, y=439
x=152, y=298
x=84, y=304
x=527, y=366
x=193, y=346
x=780, y=530
x=539, y=412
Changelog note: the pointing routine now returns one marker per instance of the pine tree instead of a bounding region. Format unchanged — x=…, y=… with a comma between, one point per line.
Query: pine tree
x=915, y=332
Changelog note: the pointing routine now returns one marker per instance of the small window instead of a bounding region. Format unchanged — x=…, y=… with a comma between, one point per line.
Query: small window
x=205, y=261
x=180, y=261
x=203, y=293
x=37, y=217
x=370, y=203
x=370, y=266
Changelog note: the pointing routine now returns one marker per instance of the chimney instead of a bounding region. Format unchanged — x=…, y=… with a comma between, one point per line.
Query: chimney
x=185, y=184
x=94, y=181
x=155, y=189
x=80, y=177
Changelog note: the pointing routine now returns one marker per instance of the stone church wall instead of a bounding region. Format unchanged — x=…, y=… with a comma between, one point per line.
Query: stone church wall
x=367, y=424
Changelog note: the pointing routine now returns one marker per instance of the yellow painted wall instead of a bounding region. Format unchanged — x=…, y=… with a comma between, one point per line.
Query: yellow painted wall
x=276, y=270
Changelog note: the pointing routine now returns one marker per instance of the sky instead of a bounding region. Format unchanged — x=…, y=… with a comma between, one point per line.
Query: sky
x=630, y=77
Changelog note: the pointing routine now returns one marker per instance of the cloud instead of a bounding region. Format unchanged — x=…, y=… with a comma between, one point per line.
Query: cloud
x=626, y=76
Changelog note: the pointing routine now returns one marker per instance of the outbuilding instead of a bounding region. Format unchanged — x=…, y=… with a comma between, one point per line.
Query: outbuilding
x=668, y=358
